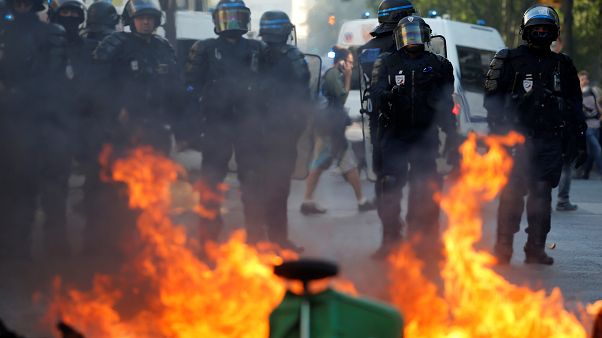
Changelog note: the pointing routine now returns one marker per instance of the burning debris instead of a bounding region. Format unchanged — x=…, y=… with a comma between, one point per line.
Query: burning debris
x=169, y=292
x=475, y=301
x=165, y=290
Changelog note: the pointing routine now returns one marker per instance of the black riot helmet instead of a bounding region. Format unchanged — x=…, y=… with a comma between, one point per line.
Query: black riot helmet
x=539, y=15
x=102, y=17
x=134, y=8
x=231, y=17
x=412, y=30
x=57, y=5
x=275, y=27
x=390, y=12
x=36, y=5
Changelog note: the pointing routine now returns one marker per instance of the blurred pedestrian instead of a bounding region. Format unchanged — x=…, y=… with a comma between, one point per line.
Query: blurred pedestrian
x=592, y=110
x=331, y=144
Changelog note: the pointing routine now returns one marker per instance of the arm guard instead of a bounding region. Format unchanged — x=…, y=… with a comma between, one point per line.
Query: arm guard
x=196, y=67
x=109, y=48
x=380, y=90
x=496, y=93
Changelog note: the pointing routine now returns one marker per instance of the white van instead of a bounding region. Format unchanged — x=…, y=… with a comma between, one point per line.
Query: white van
x=470, y=49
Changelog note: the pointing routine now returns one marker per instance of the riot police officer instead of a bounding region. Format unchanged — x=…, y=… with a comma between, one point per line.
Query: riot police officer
x=61, y=139
x=414, y=88
x=142, y=83
x=31, y=59
x=224, y=76
x=536, y=92
x=101, y=21
x=390, y=12
x=286, y=117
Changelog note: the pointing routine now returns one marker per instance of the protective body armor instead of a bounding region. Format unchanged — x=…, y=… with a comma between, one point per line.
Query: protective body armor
x=368, y=54
x=144, y=69
x=225, y=75
x=532, y=93
x=287, y=84
x=422, y=96
x=31, y=52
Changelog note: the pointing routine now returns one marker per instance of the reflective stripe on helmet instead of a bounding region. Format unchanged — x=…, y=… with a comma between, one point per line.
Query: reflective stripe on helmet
x=385, y=12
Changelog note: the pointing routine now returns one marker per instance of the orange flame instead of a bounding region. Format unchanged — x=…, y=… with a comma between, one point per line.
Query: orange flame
x=475, y=301
x=167, y=290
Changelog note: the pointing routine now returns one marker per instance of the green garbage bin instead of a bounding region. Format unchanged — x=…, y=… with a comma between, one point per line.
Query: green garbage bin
x=335, y=315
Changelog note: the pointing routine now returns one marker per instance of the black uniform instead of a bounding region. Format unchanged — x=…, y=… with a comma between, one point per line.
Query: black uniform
x=224, y=76
x=142, y=80
x=538, y=94
x=32, y=57
x=142, y=85
x=287, y=88
x=408, y=136
x=390, y=12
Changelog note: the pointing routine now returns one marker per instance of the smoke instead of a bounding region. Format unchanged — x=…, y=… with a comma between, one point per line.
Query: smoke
x=322, y=35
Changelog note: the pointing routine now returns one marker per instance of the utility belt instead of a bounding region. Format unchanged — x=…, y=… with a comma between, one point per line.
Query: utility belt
x=553, y=131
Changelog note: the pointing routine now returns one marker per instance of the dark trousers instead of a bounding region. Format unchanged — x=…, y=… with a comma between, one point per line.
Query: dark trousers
x=243, y=137
x=110, y=223
x=35, y=168
x=414, y=162
x=281, y=150
x=18, y=179
x=537, y=169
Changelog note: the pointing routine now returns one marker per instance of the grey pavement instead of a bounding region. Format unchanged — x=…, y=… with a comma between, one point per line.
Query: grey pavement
x=347, y=236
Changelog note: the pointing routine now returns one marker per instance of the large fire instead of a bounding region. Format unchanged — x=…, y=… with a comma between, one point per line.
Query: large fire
x=475, y=300
x=174, y=293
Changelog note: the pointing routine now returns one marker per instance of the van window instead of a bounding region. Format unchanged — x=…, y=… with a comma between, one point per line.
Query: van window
x=474, y=64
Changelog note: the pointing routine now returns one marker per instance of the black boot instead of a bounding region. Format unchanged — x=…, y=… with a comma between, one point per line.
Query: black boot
x=535, y=252
x=503, y=249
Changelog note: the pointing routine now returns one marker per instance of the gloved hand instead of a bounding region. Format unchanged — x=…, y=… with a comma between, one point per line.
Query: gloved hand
x=581, y=144
x=581, y=158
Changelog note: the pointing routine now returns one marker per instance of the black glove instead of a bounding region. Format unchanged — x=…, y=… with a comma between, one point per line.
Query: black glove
x=581, y=144
x=581, y=158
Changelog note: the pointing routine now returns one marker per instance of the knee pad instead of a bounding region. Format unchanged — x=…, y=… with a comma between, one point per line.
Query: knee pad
x=542, y=189
x=389, y=184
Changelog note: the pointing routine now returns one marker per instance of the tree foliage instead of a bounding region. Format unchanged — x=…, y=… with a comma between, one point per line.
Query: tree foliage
x=506, y=15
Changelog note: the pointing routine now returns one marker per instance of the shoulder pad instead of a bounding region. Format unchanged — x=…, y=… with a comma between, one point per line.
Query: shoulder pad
x=294, y=53
x=565, y=58
x=257, y=45
x=162, y=40
x=54, y=28
x=109, y=46
x=56, y=35
x=369, y=55
x=502, y=54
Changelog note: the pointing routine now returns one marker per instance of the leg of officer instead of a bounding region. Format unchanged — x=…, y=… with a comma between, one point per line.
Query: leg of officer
x=511, y=207
x=391, y=180
x=250, y=150
x=423, y=211
x=217, y=148
x=56, y=156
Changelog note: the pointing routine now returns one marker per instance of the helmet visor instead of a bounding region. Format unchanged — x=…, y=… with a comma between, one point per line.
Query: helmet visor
x=229, y=19
x=138, y=7
x=541, y=15
x=411, y=34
